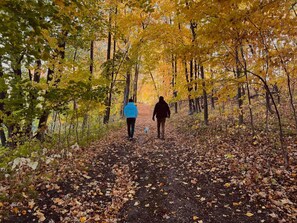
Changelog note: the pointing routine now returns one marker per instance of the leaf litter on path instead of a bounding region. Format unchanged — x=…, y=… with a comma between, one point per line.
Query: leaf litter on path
x=183, y=178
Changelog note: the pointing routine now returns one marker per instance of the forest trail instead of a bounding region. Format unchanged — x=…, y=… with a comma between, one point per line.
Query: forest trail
x=144, y=180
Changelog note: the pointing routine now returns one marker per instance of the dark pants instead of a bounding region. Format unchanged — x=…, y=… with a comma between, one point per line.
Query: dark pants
x=161, y=127
x=131, y=126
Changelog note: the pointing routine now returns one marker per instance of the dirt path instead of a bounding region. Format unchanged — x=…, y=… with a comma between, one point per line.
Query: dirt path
x=144, y=180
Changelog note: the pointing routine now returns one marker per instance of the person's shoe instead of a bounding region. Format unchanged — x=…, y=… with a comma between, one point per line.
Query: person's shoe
x=130, y=138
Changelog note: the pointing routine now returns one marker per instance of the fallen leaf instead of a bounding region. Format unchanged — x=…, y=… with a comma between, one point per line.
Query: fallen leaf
x=286, y=201
x=58, y=201
x=83, y=219
x=273, y=215
x=249, y=214
x=194, y=181
x=87, y=177
x=227, y=185
x=31, y=204
x=15, y=210
x=195, y=217
x=236, y=203
x=40, y=216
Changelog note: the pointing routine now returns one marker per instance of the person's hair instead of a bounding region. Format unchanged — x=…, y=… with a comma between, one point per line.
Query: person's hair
x=161, y=98
x=131, y=100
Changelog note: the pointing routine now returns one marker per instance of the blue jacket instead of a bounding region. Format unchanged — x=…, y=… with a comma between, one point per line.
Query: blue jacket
x=130, y=110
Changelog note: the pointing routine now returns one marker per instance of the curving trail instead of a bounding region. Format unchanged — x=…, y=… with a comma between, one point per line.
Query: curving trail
x=144, y=180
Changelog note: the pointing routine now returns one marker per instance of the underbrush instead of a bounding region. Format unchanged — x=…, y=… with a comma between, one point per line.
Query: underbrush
x=23, y=167
x=254, y=160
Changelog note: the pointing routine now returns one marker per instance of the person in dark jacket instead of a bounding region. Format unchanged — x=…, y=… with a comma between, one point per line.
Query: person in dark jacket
x=162, y=112
x=130, y=112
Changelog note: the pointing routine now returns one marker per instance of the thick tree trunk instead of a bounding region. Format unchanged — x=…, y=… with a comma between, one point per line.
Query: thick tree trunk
x=42, y=126
x=40, y=135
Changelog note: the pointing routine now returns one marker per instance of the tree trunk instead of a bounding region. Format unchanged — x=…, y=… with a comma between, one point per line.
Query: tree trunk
x=2, y=97
x=33, y=97
x=37, y=72
x=281, y=134
x=239, y=92
x=290, y=92
x=196, y=77
x=240, y=103
x=205, y=106
x=14, y=128
x=44, y=117
x=189, y=86
x=154, y=82
x=92, y=59
x=268, y=104
x=276, y=90
x=174, y=75
x=42, y=126
x=248, y=91
x=135, y=83
x=127, y=89
x=108, y=100
x=212, y=100
x=198, y=106
x=192, y=104
x=86, y=115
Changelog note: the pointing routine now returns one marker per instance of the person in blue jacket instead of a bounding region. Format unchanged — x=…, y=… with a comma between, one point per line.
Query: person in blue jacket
x=130, y=112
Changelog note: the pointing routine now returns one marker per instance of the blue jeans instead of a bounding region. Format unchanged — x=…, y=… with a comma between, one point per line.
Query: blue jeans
x=131, y=126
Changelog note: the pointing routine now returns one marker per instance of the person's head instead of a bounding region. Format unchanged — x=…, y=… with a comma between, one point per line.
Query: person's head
x=161, y=98
x=131, y=100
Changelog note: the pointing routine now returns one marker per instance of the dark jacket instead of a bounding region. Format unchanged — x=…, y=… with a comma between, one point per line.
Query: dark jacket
x=161, y=110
